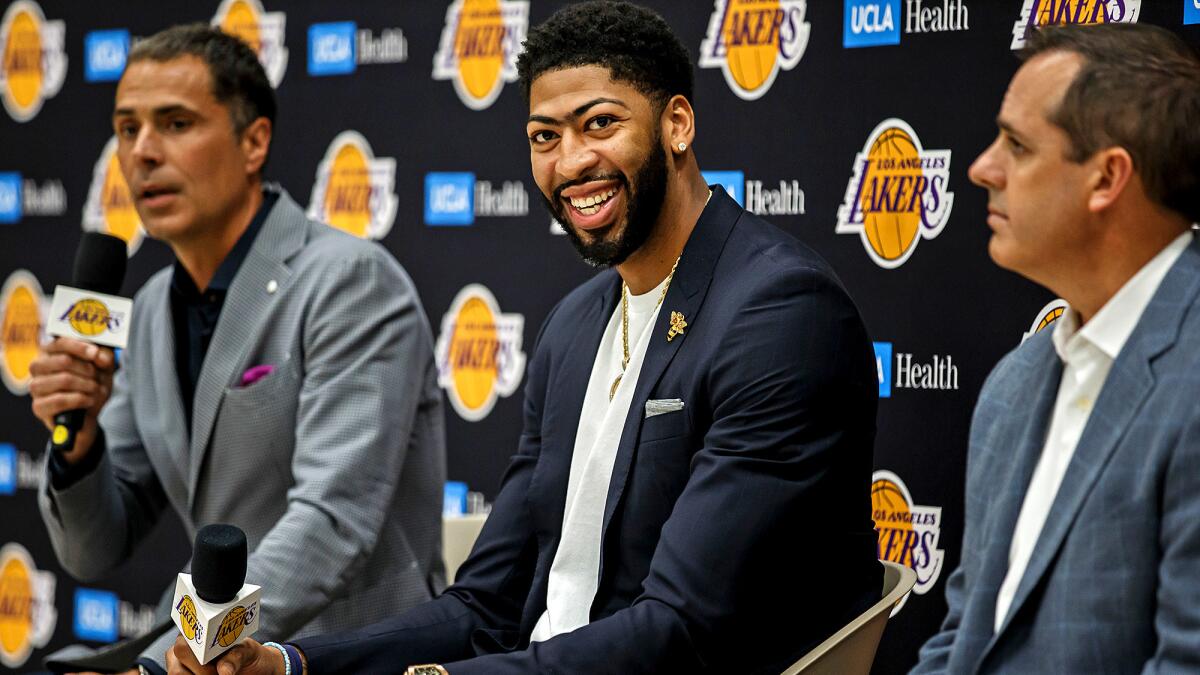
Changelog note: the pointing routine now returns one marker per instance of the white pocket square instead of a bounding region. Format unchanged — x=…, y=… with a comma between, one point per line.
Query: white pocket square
x=661, y=406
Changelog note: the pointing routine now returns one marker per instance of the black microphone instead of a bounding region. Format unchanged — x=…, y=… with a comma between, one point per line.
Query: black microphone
x=224, y=610
x=100, y=268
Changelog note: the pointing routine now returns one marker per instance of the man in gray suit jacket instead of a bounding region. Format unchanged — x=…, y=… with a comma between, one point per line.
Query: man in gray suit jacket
x=1081, y=552
x=279, y=376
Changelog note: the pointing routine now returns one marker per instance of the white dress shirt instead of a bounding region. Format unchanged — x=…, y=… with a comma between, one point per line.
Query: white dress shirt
x=1087, y=354
x=575, y=572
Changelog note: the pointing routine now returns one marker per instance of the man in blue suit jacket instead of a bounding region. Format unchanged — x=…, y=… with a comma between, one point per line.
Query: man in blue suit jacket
x=692, y=415
x=1082, y=545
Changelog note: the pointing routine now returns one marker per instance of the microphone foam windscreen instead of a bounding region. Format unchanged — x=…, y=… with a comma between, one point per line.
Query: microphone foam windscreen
x=219, y=562
x=100, y=263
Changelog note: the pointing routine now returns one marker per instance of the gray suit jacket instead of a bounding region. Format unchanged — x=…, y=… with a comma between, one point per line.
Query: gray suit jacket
x=333, y=464
x=1114, y=582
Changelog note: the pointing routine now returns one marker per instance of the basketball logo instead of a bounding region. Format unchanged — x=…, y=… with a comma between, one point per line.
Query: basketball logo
x=27, y=614
x=355, y=191
x=908, y=533
x=1038, y=13
x=1052, y=312
x=21, y=311
x=34, y=64
x=231, y=627
x=109, y=207
x=752, y=40
x=189, y=621
x=897, y=194
x=262, y=30
x=479, y=352
x=479, y=46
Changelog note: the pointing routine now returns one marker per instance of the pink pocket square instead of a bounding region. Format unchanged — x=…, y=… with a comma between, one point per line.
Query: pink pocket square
x=255, y=374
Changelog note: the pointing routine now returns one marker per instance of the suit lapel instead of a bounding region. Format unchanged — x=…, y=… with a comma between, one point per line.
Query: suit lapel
x=1129, y=382
x=685, y=295
x=246, y=305
x=161, y=364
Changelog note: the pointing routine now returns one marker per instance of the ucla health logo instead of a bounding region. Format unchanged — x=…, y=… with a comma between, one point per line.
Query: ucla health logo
x=897, y=195
x=1052, y=312
x=479, y=353
x=260, y=29
x=105, y=52
x=457, y=198
x=8, y=469
x=355, y=191
x=479, y=46
x=109, y=208
x=1038, y=13
x=870, y=24
x=752, y=40
x=10, y=197
x=902, y=370
x=34, y=64
x=1191, y=12
x=339, y=48
x=785, y=198
x=96, y=615
x=908, y=532
x=20, y=197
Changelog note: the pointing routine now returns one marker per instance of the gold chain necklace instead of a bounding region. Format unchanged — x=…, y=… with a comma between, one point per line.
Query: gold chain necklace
x=612, y=391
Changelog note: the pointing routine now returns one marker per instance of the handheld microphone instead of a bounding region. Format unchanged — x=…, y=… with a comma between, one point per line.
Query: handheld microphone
x=213, y=606
x=89, y=310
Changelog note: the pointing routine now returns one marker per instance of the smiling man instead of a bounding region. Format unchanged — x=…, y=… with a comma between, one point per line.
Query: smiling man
x=690, y=493
x=1082, y=539
x=279, y=376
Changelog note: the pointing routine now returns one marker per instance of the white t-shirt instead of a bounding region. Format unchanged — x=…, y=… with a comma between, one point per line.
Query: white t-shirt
x=574, y=574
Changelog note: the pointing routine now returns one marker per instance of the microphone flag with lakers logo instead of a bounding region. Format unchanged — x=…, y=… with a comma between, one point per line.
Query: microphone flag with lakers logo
x=88, y=310
x=213, y=606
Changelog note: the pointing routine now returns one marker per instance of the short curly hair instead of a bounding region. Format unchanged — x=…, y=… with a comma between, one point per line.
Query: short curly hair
x=634, y=43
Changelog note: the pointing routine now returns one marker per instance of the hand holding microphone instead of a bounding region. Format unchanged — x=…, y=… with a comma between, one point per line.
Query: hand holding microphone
x=72, y=376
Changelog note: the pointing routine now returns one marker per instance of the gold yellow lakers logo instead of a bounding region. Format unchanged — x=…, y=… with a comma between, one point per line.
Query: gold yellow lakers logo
x=21, y=304
x=231, y=627
x=89, y=317
x=1052, y=312
x=27, y=614
x=1038, y=13
x=908, y=534
x=189, y=620
x=34, y=64
x=355, y=190
x=479, y=352
x=262, y=30
x=897, y=194
x=109, y=208
x=752, y=40
x=479, y=47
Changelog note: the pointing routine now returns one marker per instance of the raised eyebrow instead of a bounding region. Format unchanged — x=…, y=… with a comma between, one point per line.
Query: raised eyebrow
x=576, y=113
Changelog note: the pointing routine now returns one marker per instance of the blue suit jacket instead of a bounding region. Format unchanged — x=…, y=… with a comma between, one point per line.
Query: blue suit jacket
x=1114, y=582
x=737, y=532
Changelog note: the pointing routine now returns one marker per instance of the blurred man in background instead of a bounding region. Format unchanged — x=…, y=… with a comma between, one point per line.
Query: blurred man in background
x=1082, y=539
x=279, y=375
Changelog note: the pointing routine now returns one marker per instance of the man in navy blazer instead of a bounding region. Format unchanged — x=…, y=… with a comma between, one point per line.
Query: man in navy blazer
x=690, y=491
x=1081, y=552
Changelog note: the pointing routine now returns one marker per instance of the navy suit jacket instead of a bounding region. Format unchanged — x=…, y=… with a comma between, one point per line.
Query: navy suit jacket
x=1114, y=582
x=737, y=531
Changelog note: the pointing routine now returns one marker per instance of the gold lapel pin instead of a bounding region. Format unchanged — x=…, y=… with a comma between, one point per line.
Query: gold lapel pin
x=677, y=325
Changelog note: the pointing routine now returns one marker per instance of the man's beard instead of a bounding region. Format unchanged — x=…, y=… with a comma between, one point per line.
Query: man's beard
x=643, y=206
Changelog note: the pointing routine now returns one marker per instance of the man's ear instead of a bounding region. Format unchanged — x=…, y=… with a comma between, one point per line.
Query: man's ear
x=255, y=142
x=1111, y=173
x=679, y=124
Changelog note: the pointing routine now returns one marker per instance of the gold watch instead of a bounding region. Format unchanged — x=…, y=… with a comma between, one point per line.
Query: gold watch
x=426, y=669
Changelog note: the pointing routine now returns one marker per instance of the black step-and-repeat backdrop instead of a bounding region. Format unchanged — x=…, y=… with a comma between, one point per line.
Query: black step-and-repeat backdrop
x=848, y=123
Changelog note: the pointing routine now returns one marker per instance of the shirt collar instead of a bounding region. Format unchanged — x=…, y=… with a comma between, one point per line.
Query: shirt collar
x=183, y=283
x=1114, y=323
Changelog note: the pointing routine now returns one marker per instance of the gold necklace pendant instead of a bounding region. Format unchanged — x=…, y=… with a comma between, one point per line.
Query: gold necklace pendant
x=612, y=391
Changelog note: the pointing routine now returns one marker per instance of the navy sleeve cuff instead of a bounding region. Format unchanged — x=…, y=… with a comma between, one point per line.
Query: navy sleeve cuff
x=64, y=475
x=151, y=666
